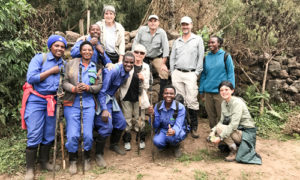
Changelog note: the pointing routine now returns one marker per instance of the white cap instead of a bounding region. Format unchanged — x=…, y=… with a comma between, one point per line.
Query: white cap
x=153, y=16
x=140, y=48
x=186, y=19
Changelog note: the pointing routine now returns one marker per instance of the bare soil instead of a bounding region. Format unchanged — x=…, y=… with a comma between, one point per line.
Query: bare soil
x=281, y=160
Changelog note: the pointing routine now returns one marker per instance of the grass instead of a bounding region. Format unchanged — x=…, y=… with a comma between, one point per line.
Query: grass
x=200, y=175
x=101, y=170
x=202, y=154
x=139, y=176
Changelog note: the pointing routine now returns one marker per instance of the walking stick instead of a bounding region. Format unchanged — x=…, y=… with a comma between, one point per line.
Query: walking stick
x=140, y=115
x=151, y=115
x=81, y=120
x=58, y=118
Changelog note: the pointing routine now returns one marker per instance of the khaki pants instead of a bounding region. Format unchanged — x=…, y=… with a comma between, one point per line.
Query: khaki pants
x=157, y=63
x=213, y=108
x=185, y=84
x=235, y=136
x=131, y=114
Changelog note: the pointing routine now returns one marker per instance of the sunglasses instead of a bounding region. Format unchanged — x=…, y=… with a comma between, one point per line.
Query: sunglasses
x=139, y=52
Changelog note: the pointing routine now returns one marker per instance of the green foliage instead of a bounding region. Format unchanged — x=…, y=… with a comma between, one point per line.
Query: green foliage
x=200, y=175
x=139, y=176
x=270, y=123
x=12, y=152
x=16, y=49
x=205, y=34
x=202, y=154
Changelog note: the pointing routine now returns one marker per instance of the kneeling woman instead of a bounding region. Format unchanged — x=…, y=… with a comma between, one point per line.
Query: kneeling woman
x=80, y=80
x=236, y=127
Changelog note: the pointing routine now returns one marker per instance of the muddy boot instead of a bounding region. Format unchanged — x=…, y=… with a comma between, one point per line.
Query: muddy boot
x=114, y=141
x=100, y=144
x=30, y=163
x=127, y=139
x=87, y=160
x=44, y=158
x=73, y=163
x=232, y=154
x=177, y=151
x=194, y=123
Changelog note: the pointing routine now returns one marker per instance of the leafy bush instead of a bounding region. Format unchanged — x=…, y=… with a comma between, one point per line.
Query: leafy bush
x=16, y=50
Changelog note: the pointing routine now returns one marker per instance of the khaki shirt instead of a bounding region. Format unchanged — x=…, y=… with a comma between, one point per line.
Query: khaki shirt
x=239, y=114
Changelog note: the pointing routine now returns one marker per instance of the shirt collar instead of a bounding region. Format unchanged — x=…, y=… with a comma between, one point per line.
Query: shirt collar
x=163, y=107
x=193, y=36
x=50, y=57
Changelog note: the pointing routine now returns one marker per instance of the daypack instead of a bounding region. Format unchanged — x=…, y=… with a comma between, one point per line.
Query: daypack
x=175, y=114
x=225, y=59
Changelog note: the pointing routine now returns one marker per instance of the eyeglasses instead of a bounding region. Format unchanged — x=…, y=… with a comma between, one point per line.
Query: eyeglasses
x=139, y=52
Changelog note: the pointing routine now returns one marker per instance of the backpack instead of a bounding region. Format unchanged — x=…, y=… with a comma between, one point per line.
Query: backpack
x=225, y=59
x=175, y=114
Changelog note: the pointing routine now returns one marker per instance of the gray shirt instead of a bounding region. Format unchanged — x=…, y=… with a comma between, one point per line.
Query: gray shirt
x=187, y=55
x=155, y=45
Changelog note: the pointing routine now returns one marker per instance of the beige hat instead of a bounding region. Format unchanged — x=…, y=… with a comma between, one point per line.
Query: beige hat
x=140, y=48
x=109, y=8
x=186, y=19
x=153, y=16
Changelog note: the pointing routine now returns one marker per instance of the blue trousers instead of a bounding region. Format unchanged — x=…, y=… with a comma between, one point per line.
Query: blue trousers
x=161, y=140
x=40, y=126
x=117, y=121
x=72, y=115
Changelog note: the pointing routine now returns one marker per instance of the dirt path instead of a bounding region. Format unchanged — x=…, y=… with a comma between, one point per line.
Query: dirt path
x=281, y=160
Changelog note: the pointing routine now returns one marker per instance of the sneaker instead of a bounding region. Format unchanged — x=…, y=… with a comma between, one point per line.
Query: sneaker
x=142, y=145
x=127, y=146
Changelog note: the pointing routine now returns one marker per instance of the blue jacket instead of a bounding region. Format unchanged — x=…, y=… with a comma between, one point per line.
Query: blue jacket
x=36, y=67
x=75, y=53
x=214, y=72
x=163, y=118
x=111, y=81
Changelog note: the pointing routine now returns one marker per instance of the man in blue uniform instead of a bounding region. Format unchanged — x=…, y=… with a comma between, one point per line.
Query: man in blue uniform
x=111, y=121
x=99, y=53
x=170, y=130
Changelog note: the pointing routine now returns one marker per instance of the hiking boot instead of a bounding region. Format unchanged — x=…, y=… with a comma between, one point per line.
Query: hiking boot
x=73, y=167
x=127, y=146
x=44, y=158
x=100, y=161
x=177, y=151
x=142, y=145
x=194, y=134
x=116, y=148
x=194, y=123
x=30, y=163
x=232, y=154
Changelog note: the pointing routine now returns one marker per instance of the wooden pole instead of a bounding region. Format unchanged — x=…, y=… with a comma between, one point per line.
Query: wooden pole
x=88, y=21
x=81, y=28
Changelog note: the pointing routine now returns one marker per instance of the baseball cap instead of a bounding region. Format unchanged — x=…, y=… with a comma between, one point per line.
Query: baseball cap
x=153, y=16
x=186, y=19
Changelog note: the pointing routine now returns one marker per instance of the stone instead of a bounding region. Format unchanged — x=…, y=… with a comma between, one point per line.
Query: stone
x=283, y=74
x=60, y=33
x=296, y=51
x=274, y=66
x=133, y=34
x=296, y=98
x=285, y=87
x=274, y=86
x=172, y=34
x=72, y=36
x=127, y=37
x=296, y=84
x=289, y=81
x=292, y=63
x=292, y=89
x=295, y=72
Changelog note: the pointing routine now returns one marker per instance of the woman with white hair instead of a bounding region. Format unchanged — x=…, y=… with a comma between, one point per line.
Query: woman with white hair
x=112, y=35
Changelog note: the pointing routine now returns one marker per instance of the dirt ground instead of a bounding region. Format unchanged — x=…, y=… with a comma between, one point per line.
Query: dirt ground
x=281, y=160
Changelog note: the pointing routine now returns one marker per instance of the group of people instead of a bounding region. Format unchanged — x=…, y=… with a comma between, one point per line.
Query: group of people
x=100, y=67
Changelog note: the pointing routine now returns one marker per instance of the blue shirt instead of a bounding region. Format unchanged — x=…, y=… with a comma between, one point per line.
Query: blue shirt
x=88, y=74
x=36, y=67
x=111, y=81
x=165, y=117
x=75, y=53
x=214, y=72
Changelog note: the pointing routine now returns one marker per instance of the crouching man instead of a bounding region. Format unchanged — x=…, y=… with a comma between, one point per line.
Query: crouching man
x=169, y=121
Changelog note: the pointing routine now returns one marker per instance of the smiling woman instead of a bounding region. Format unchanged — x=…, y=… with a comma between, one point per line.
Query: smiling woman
x=76, y=84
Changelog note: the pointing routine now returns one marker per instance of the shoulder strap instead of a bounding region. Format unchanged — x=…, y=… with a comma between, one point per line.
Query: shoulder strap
x=225, y=59
x=176, y=111
x=44, y=58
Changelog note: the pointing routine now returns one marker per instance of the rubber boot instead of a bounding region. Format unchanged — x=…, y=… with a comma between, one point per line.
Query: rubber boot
x=73, y=162
x=87, y=160
x=44, y=158
x=30, y=163
x=162, y=84
x=232, y=154
x=100, y=144
x=127, y=139
x=177, y=151
x=114, y=141
x=194, y=123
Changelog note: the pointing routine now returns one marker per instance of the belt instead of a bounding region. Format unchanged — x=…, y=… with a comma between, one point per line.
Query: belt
x=183, y=70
